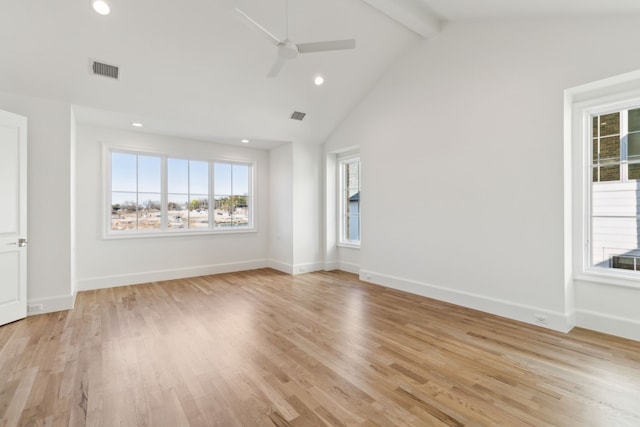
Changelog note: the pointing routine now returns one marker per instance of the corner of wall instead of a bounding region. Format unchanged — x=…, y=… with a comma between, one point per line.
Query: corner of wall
x=51, y=304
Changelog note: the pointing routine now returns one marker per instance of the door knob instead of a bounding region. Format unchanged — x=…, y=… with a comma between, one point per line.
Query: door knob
x=22, y=242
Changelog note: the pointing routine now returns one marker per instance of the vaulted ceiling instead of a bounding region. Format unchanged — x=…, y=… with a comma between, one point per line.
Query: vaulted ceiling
x=194, y=68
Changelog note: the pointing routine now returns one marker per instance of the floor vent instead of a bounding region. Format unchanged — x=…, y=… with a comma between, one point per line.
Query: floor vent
x=297, y=115
x=105, y=70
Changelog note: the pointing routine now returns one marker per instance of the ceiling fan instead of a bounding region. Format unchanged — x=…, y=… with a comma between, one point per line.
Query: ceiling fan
x=289, y=50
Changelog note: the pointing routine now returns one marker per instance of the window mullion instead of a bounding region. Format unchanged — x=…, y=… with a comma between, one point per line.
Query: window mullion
x=233, y=210
x=164, y=197
x=188, y=194
x=211, y=205
x=137, y=192
x=624, y=159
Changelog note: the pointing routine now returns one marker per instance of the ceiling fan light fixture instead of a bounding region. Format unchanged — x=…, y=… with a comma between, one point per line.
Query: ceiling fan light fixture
x=318, y=81
x=101, y=7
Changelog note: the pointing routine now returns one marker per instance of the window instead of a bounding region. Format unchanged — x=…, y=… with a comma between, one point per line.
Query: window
x=601, y=181
x=615, y=164
x=349, y=194
x=616, y=146
x=153, y=193
x=136, y=182
x=231, y=194
x=188, y=194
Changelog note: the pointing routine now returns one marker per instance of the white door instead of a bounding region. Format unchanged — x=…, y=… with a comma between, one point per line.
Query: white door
x=13, y=217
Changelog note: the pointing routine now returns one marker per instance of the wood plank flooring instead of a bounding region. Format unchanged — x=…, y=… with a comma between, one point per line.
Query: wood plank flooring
x=262, y=348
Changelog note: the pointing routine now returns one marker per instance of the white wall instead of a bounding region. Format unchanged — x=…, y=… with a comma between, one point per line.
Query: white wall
x=281, y=208
x=72, y=199
x=307, y=207
x=112, y=262
x=49, y=221
x=296, y=242
x=462, y=152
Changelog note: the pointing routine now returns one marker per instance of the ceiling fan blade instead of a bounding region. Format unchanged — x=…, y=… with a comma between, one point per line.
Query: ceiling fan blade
x=273, y=39
x=325, y=46
x=277, y=66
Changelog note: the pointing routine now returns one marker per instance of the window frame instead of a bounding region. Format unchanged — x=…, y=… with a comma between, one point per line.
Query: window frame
x=165, y=231
x=581, y=104
x=342, y=160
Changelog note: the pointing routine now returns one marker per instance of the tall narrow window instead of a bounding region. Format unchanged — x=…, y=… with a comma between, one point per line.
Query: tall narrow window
x=350, y=200
x=231, y=194
x=135, y=192
x=615, y=194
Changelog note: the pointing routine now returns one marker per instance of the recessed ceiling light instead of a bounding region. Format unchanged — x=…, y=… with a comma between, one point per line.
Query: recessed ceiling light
x=101, y=7
x=318, y=80
x=136, y=125
x=245, y=141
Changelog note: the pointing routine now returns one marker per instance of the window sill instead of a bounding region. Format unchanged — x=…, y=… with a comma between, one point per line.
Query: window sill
x=348, y=245
x=612, y=278
x=181, y=233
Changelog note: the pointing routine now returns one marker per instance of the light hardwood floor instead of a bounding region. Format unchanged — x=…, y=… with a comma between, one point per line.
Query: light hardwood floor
x=262, y=348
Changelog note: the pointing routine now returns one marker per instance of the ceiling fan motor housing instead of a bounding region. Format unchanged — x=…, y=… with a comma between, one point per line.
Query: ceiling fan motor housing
x=288, y=50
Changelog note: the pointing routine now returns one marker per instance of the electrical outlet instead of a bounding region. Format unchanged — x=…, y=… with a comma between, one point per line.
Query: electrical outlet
x=34, y=308
x=541, y=319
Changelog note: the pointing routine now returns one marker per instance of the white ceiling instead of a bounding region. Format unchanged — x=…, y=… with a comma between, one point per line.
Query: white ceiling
x=194, y=68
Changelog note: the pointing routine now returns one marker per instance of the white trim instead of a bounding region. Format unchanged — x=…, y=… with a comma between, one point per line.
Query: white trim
x=52, y=304
x=612, y=94
x=178, y=232
x=308, y=267
x=342, y=161
x=557, y=321
x=295, y=269
x=350, y=245
x=610, y=277
x=349, y=267
x=608, y=324
x=280, y=266
x=331, y=265
x=102, y=282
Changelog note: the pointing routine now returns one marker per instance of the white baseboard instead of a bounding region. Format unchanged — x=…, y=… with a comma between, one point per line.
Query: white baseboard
x=51, y=304
x=331, y=265
x=308, y=267
x=349, y=267
x=523, y=313
x=280, y=266
x=608, y=324
x=160, y=275
x=343, y=266
x=294, y=269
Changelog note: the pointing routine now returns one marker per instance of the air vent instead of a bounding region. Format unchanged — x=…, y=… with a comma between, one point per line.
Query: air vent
x=105, y=70
x=297, y=115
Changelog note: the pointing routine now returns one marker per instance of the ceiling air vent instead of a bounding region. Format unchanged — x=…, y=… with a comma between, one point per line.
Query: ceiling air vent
x=297, y=115
x=105, y=70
